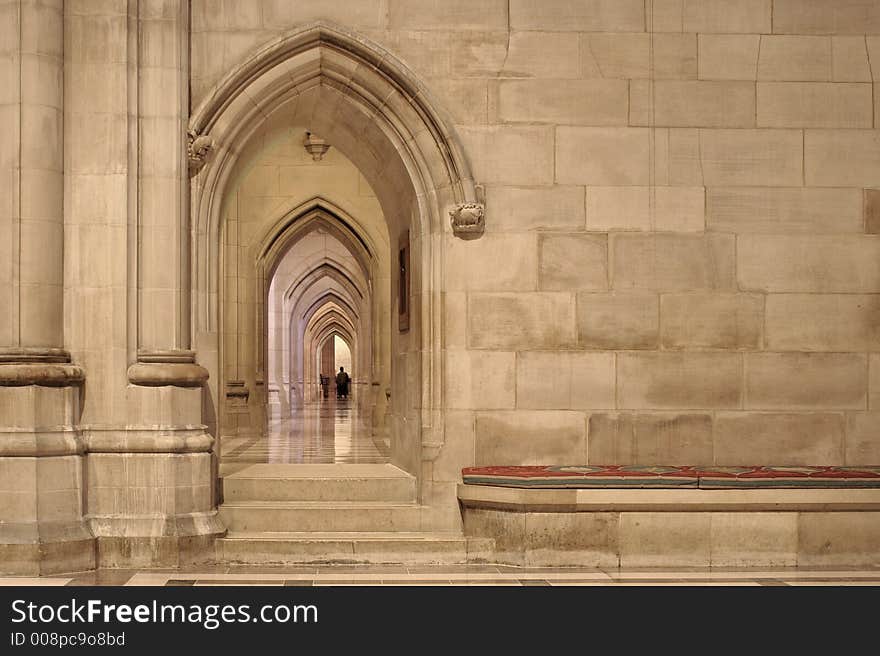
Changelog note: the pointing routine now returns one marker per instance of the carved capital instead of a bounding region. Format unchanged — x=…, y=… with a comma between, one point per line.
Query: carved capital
x=198, y=147
x=467, y=219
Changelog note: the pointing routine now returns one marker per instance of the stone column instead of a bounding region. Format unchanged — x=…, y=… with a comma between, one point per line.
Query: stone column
x=42, y=529
x=151, y=498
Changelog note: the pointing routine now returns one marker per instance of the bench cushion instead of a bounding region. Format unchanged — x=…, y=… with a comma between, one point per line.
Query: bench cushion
x=658, y=476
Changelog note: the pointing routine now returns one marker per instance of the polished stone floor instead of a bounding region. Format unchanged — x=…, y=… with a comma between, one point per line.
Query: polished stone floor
x=481, y=575
x=329, y=431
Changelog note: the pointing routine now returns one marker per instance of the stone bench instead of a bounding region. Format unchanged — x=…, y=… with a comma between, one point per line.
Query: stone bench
x=656, y=516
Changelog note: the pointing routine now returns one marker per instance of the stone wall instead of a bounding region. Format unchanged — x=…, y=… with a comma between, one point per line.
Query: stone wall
x=677, y=266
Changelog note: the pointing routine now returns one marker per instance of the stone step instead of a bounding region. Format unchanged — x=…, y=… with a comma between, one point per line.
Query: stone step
x=342, y=547
x=367, y=482
x=309, y=516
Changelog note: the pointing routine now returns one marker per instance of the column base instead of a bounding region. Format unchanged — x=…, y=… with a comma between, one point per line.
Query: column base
x=41, y=548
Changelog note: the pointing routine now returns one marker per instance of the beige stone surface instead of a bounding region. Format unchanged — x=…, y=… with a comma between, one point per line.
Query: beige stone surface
x=543, y=55
x=530, y=437
x=497, y=262
x=679, y=209
x=824, y=380
x=559, y=539
x=728, y=56
x=496, y=154
x=823, y=322
x=454, y=14
x=533, y=208
x=795, y=58
x=679, y=380
x=747, y=438
x=704, y=320
x=783, y=210
x=825, y=17
x=570, y=262
x=618, y=320
x=618, y=156
x=709, y=104
x=670, y=262
x=815, y=105
x=803, y=263
x=838, y=539
x=521, y=321
x=649, y=438
x=752, y=157
x=574, y=102
x=586, y=16
x=665, y=539
x=846, y=158
x=550, y=380
x=754, y=539
x=721, y=16
x=862, y=438
x=480, y=379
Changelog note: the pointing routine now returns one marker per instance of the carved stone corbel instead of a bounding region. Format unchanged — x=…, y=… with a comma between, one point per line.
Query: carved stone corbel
x=467, y=220
x=198, y=147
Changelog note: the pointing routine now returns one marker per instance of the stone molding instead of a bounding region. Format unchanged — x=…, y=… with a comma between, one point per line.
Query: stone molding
x=158, y=368
x=315, y=146
x=43, y=374
x=40, y=442
x=177, y=439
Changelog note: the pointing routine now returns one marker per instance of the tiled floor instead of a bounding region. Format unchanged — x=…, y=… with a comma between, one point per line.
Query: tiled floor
x=330, y=431
x=482, y=575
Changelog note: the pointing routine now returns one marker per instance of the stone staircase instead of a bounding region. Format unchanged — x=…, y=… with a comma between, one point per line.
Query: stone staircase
x=290, y=514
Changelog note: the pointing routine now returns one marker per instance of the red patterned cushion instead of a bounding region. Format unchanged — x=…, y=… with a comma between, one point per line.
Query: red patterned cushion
x=659, y=476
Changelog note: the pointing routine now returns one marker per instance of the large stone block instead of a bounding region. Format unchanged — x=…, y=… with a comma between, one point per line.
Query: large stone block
x=665, y=539
x=720, y=16
x=835, y=538
x=752, y=157
x=666, y=262
x=480, y=379
x=708, y=320
x=617, y=156
x=564, y=380
x=577, y=102
x=796, y=58
x=823, y=322
x=584, y=16
x=677, y=209
x=807, y=381
x=539, y=320
x=679, y=380
x=754, y=539
x=728, y=56
x=617, y=320
x=497, y=262
x=676, y=156
x=842, y=158
x=530, y=437
x=571, y=261
x=649, y=439
x=466, y=99
x=532, y=208
x=783, y=210
x=807, y=263
x=815, y=105
x=566, y=539
x=862, y=438
x=826, y=17
x=686, y=103
x=746, y=438
x=447, y=15
x=281, y=15
x=543, y=55
x=510, y=155
x=639, y=56
x=849, y=59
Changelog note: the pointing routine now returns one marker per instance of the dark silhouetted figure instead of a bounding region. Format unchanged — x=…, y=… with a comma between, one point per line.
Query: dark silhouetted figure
x=342, y=380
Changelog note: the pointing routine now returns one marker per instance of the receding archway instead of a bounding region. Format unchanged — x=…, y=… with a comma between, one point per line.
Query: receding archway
x=369, y=106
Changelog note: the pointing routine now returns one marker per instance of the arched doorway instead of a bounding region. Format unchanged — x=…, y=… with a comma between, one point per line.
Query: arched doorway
x=373, y=110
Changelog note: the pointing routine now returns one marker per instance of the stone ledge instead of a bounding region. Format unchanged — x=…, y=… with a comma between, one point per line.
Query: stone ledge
x=667, y=500
x=158, y=374
x=47, y=374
